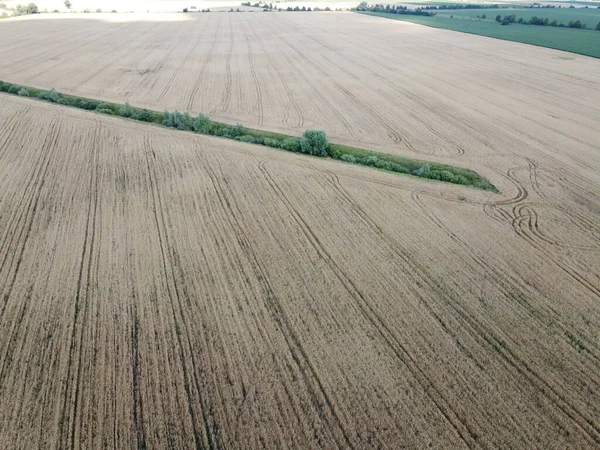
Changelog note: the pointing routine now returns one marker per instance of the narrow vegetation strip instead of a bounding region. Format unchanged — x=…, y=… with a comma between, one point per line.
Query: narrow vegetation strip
x=312, y=142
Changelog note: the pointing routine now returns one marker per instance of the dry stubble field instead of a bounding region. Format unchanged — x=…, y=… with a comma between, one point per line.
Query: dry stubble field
x=167, y=290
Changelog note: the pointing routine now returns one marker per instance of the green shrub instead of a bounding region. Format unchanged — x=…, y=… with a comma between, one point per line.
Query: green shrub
x=127, y=110
x=235, y=131
x=314, y=142
x=105, y=111
x=333, y=152
x=23, y=92
x=446, y=175
x=202, y=124
x=424, y=171
x=13, y=89
x=4, y=86
x=246, y=138
x=385, y=165
x=53, y=96
x=269, y=142
x=368, y=160
x=89, y=105
x=291, y=144
x=348, y=158
x=144, y=115
x=399, y=168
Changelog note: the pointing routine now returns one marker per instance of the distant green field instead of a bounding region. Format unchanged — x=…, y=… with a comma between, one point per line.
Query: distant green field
x=583, y=42
x=590, y=16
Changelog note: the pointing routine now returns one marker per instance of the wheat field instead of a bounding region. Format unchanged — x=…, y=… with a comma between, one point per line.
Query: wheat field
x=160, y=289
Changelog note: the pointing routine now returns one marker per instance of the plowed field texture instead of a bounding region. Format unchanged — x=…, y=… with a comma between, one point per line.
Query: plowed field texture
x=166, y=290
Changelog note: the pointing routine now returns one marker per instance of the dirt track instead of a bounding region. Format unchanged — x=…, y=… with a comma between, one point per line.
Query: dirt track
x=175, y=290
x=164, y=289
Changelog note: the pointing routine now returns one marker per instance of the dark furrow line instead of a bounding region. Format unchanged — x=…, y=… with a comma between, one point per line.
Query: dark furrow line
x=174, y=295
x=369, y=313
x=85, y=254
x=190, y=106
x=512, y=359
x=31, y=210
x=279, y=316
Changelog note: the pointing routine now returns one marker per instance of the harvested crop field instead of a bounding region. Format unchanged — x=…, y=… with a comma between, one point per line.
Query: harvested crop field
x=166, y=290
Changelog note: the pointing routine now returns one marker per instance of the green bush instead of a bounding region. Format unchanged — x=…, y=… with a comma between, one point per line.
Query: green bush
x=4, y=86
x=445, y=175
x=348, y=158
x=127, y=110
x=424, y=171
x=368, y=160
x=23, y=92
x=399, y=168
x=53, y=96
x=81, y=103
x=105, y=111
x=385, y=165
x=144, y=115
x=235, y=131
x=246, y=138
x=269, y=142
x=13, y=89
x=202, y=124
x=314, y=142
x=291, y=144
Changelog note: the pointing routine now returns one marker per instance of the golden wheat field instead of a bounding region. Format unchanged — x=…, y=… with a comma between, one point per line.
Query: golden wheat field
x=161, y=289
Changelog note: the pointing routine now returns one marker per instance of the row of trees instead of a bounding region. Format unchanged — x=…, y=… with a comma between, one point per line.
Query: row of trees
x=394, y=9
x=312, y=142
x=541, y=21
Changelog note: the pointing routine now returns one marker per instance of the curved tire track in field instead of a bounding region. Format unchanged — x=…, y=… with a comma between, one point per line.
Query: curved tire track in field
x=291, y=101
x=310, y=375
x=223, y=105
x=378, y=323
x=200, y=79
x=258, y=106
x=585, y=423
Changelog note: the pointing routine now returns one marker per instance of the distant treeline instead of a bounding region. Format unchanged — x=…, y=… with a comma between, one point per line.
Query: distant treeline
x=394, y=9
x=541, y=21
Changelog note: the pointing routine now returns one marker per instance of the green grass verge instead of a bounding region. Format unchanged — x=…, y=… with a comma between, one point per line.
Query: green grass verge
x=584, y=42
x=203, y=125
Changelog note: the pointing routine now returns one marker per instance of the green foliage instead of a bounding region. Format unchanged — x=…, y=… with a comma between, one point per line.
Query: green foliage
x=235, y=131
x=424, y=171
x=202, y=124
x=314, y=142
x=53, y=96
x=68, y=4
x=126, y=110
x=83, y=103
x=291, y=144
x=105, y=111
x=368, y=160
x=269, y=142
x=144, y=115
x=247, y=139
